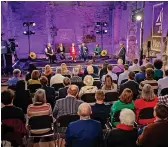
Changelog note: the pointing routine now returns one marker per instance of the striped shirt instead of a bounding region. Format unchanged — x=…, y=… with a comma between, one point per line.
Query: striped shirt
x=153, y=83
x=68, y=105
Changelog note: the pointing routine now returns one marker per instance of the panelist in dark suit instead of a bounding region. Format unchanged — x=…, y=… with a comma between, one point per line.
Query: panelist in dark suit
x=49, y=53
x=84, y=132
x=122, y=52
x=84, y=51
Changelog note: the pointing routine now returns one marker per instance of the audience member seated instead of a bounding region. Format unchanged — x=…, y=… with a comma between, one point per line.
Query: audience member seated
x=88, y=88
x=158, y=73
x=125, y=101
x=149, y=65
x=49, y=91
x=119, y=68
x=100, y=111
x=123, y=75
x=48, y=72
x=22, y=96
x=57, y=78
x=124, y=135
x=68, y=105
x=109, y=72
x=135, y=67
x=16, y=77
x=109, y=85
x=163, y=83
x=95, y=68
x=148, y=100
x=84, y=132
x=75, y=78
x=149, y=80
x=131, y=84
x=81, y=72
x=155, y=134
x=90, y=71
x=30, y=70
x=140, y=76
x=103, y=71
x=34, y=78
x=62, y=92
x=64, y=70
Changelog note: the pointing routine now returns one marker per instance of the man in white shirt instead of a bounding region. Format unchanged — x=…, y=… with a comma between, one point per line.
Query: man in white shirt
x=163, y=83
x=135, y=67
x=57, y=78
x=109, y=72
x=123, y=75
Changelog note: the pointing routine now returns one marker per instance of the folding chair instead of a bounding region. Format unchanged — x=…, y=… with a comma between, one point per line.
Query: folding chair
x=67, y=75
x=79, y=84
x=58, y=86
x=97, y=83
x=111, y=97
x=33, y=87
x=88, y=97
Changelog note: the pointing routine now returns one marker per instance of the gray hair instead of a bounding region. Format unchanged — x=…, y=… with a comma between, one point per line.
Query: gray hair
x=127, y=117
x=58, y=70
x=120, y=61
x=16, y=72
x=147, y=93
x=88, y=80
x=84, y=110
x=40, y=96
x=90, y=69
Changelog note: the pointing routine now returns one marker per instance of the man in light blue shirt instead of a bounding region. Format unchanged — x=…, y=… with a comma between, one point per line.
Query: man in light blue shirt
x=16, y=74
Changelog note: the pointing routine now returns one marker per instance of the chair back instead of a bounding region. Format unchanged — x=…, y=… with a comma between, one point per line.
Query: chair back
x=67, y=75
x=116, y=116
x=58, y=86
x=111, y=96
x=123, y=81
x=79, y=84
x=88, y=97
x=34, y=87
x=164, y=91
x=97, y=83
x=146, y=113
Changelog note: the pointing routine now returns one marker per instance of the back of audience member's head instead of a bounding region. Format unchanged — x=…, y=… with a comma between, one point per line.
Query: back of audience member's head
x=109, y=67
x=58, y=70
x=135, y=61
x=20, y=85
x=126, y=66
x=88, y=80
x=84, y=110
x=161, y=111
x=90, y=62
x=73, y=90
x=108, y=83
x=90, y=69
x=158, y=64
x=48, y=68
x=147, y=93
x=143, y=68
x=66, y=81
x=131, y=75
x=31, y=67
x=63, y=68
x=149, y=65
x=127, y=117
x=16, y=72
x=35, y=75
x=43, y=80
x=7, y=97
x=166, y=72
x=120, y=61
x=99, y=95
x=40, y=96
x=149, y=74
x=126, y=96
x=75, y=71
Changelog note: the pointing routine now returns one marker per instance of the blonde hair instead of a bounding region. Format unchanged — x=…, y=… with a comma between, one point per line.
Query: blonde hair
x=120, y=61
x=88, y=80
x=63, y=68
x=147, y=93
x=90, y=69
x=47, y=70
x=40, y=96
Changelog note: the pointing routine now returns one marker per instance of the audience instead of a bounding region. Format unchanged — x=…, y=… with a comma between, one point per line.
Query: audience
x=163, y=83
x=109, y=72
x=64, y=70
x=22, y=96
x=75, y=78
x=62, y=92
x=135, y=67
x=131, y=84
x=30, y=70
x=155, y=134
x=88, y=88
x=149, y=65
x=125, y=101
x=95, y=68
x=148, y=100
x=57, y=78
x=124, y=135
x=34, y=78
x=103, y=71
x=100, y=111
x=123, y=75
x=80, y=69
x=49, y=91
x=109, y=85
x=48, y=72
x=90, y=71
x=16, y=77
x=163, y=99
x=158, y=73
x=119, y=68
x=140, y=76
x=68, y=105
x=149, y=80
x=84, y=132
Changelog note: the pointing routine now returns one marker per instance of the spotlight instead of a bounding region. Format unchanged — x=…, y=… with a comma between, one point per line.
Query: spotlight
x=25, y=32
x=104, y=24
x=98, y=32
x=138, y=17
x=105, y=31
x=25, y=24
x=32, y=32
x=98, y=23
x=32, y=24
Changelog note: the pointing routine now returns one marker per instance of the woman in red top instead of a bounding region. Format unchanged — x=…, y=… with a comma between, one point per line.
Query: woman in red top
x=73, y=52
x=148, y=100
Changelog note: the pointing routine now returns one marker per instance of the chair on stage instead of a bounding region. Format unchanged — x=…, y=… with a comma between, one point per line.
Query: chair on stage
x=88, y=97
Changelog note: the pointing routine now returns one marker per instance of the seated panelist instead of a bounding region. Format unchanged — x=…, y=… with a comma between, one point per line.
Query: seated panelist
x=50, y=53
x=61, y=51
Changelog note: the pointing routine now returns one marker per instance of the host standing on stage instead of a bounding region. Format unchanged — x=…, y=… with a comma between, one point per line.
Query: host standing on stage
x=122, y=52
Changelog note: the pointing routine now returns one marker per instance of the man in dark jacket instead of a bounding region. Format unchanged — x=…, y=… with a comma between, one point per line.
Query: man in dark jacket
x=122, y=52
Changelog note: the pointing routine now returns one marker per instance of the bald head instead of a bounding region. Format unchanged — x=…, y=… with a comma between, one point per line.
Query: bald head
x=84, y=110
x=73, y=90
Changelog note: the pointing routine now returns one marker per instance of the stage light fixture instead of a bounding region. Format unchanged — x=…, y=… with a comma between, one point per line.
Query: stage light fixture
x=138, y=17
x=25, y=32
x=105, y=31
x=104, y=24
x=32, y=24
x=98, y=23
x=98, y=32
x=32, y=32
x=25, y=24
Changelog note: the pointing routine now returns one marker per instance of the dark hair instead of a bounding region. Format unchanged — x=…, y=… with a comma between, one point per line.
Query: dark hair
x=31, y=67
x=126, y=96
x=131, y=75
x=108, y=83
x=35, y=75
x=20, y=85
x=149, y=73
x=66, y=81
x=105, y=64
x=135, y=61
x=43, y=80
x=126, y=66
x=161, y=111
x=7, y=96
x=158, y=64
x=110, y=67
x=166, y=72
x=143, y=68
